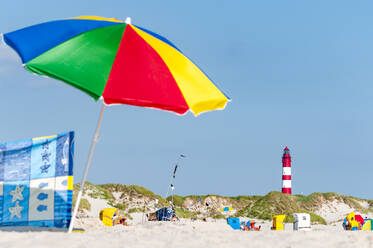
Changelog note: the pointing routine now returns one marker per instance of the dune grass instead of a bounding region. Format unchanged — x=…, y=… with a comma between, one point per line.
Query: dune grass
x=260, y=207
x=277, y=203
x=177, y=199
x=83, y=205
x=184, y=213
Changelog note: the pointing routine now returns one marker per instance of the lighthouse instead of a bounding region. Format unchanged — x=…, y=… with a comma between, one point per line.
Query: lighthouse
x=286, y=172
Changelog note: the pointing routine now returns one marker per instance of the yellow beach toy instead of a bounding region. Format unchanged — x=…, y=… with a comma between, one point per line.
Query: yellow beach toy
x=278, y=222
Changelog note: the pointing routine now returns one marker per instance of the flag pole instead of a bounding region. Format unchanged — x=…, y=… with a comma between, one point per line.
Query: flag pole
x=93, y=145
x=171, y=179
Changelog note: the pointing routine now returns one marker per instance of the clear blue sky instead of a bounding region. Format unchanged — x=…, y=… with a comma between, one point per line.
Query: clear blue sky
x=299, y=74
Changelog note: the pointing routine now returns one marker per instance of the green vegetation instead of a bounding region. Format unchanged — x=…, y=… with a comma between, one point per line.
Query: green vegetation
x=315, y=200
x=197, y=197
x=316, y=218
x=136, y=210
x=184, y=213
x=120, y=206
x=265, y=207
x=96, y=191
x=277, y=203
x=259, y=207
x=178, y=200
x=269, y=205
x=83, y=205
x=105, y=192
x=131, y=190
x=218, y=216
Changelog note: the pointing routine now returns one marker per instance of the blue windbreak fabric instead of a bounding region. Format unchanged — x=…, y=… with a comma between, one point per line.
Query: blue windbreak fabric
x=33, y=41
x=36, y=181
x=165, y=214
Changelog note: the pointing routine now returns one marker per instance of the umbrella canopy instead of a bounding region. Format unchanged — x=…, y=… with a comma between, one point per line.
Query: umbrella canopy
x=227, y=209
x=118, y=62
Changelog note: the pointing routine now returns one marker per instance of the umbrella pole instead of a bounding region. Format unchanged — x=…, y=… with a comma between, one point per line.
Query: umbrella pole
x=93, y=145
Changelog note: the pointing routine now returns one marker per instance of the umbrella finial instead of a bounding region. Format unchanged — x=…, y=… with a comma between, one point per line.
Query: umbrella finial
x=128, y=20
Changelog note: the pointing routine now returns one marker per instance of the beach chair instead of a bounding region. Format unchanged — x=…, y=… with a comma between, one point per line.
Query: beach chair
x=278, y=222
x=110, y=217
x=302, y=221
x=107, y=214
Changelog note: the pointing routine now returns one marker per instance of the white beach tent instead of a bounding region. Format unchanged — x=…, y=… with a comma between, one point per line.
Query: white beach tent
x=302, y=221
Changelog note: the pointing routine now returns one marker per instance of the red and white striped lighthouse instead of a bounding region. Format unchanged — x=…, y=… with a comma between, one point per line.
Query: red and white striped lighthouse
x=286, y=172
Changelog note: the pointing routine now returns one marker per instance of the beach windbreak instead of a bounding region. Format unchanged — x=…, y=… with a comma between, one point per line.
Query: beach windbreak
x=36, y=181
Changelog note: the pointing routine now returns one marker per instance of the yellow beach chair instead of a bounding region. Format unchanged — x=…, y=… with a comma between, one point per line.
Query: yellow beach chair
x=278, y=222
x=107, y=215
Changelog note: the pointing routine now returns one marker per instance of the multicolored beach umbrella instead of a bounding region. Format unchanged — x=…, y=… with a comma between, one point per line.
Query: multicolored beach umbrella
x=118, y=62
x=227, y=209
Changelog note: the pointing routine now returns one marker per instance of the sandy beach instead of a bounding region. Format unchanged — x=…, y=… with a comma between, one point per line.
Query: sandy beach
x=186, y=233
x=189, y=232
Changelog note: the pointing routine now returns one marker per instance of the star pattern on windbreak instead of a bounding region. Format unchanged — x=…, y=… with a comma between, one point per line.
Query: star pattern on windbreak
x=17, y=193
x=15, y=211
x=44, y=168
x=45, y=156
x=45, y=145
